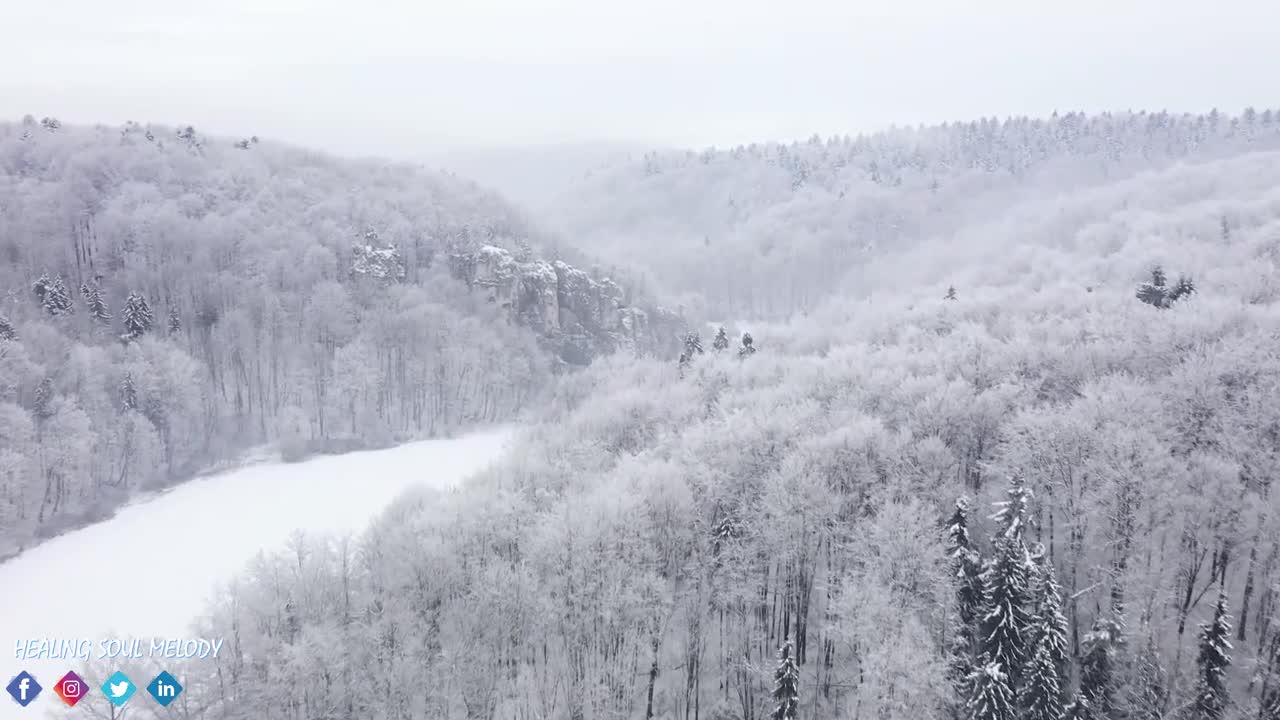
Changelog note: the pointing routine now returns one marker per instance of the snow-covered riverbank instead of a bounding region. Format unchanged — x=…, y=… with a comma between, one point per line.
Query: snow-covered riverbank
x=149, y=570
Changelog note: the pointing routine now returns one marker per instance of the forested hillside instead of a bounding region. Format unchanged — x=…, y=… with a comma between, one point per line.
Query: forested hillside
x=1029, y=477
x=169, y=299
x=769, y=230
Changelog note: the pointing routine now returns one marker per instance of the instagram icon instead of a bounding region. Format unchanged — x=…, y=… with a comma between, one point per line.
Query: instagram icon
x=71, y=688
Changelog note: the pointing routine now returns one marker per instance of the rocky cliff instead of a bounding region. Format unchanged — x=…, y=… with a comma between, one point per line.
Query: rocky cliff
x=579, y=316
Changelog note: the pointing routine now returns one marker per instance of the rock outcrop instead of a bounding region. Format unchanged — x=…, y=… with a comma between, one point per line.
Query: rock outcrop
x=578, y=316
x=375, y=259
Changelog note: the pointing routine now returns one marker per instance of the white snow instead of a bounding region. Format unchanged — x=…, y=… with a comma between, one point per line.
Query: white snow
x=148, y=571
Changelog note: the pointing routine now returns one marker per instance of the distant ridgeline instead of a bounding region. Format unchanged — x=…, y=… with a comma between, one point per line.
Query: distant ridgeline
x=768, y=230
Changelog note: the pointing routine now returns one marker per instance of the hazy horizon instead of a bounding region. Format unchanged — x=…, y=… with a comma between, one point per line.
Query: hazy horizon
x=408, y=80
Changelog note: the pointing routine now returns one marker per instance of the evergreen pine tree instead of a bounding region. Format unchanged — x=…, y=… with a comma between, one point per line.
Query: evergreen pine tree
x=991, y=697
x=1269, y=699
x=53, y=296
x=951, y=293
x=1155, y=293
x=786, y=690
x=1050, y=622
x=42, y=403
x=1215, y=645
x=1045, y=672
x=966, y=566
x=7, y=331
x=721, y=341
x=96, y=305
x=175, y=320
x=58, y=300
x=1011, y=513
x=1097, y=667
x=1183, y=288
x=692, y=346
x=1148, y=696
x=1152, y=292
x=748, y=346
x=1042, y=687
x=137, y=317
x=1270, y=709
x=1078, y=709
x=128, y=393
x=1006, y=620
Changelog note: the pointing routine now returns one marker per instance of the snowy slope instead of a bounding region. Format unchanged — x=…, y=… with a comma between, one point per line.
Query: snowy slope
x=148, y=571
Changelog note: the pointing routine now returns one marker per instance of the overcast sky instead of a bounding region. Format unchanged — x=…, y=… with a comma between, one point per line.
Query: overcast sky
x=404, y=77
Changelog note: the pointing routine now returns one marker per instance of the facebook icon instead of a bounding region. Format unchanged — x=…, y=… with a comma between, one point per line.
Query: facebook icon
x=24, y=688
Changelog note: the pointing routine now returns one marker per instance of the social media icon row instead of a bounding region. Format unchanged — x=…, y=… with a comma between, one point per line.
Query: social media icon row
x=118, y=688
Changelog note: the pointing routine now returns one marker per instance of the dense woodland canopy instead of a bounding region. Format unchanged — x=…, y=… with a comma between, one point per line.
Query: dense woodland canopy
x=770, y=230
x=1007, y=483
x=168, y=300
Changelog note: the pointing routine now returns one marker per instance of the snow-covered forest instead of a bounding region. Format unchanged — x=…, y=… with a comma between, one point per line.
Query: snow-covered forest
x=1024, y=470
x=1001, y=446
x=168, y=300
x=769, y=230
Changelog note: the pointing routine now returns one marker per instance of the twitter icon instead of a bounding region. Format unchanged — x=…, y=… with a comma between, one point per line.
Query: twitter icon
x=119, y=688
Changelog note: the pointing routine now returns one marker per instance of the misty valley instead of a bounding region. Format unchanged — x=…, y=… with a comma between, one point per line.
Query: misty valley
x=968, y=421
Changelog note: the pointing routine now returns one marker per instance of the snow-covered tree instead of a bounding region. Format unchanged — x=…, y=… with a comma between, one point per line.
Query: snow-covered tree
x=1042, y=687
x=175, y=320
x=52, y=294
x=966, y=568
x=1098, y=681
x=1214, y=659
x=96, y=306
x=692, y=347
x=7, y=331
x=1080, y=709
x=42, y=402
x=721, y=341
x=991, y=696
x=1011, y=514
x=1154, y=292
x=693, y=343
x=128, y=392
x=1006, y=619
x=748, y=346
x=137, y=317
x=951, y=293
x=1148, y=694
x=1183, y=288
x=966, y=564
x=1044, y=677
x=1050, y=625
x=1270, y=700
x=786, y=688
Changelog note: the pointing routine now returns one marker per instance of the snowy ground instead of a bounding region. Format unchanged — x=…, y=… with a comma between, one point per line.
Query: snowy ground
x=148, y=571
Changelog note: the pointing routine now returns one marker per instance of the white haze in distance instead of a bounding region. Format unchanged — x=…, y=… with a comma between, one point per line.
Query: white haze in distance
x=412, y=77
